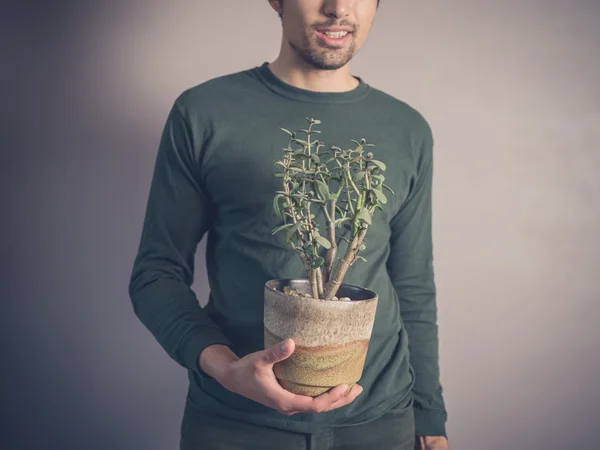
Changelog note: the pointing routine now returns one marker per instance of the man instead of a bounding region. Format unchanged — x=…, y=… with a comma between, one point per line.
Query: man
x=214, y=175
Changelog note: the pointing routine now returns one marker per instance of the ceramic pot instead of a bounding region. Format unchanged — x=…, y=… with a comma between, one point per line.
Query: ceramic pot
x=331, y=336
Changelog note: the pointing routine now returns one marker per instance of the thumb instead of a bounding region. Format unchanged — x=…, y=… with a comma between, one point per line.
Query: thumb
x=278, y=352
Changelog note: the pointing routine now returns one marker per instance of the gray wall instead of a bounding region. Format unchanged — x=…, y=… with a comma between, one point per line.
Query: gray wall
x=511, y=90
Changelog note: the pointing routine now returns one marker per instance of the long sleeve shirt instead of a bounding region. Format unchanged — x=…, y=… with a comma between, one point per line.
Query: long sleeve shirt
x=214, y=176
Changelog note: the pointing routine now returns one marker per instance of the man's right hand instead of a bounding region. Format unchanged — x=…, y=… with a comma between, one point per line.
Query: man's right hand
x=252, y=376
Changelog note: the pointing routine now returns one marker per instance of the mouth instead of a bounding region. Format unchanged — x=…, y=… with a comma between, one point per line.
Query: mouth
x=334, y=38
x=335, y=34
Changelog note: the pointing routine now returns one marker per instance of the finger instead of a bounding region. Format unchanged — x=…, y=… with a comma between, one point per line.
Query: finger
x=277, y=352
x=288, y=401
x=349, y=398
x=324, y=401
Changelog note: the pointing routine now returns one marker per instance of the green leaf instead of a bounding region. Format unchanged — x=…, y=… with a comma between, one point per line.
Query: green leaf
x=388, y=188
x=288, y=132
x=358, y=175
x=333, y=196
x=379, y=164
x=300, y=141
x=292, y=230
x=324, y=242
x=276, y=205
x=322, y=189
x=380, y=196
x=361, y=258
x=365, y=215
x=281, y=227
x=315, y=158
x=279, y=175
x=279, y=163
x=378, y=177
x=309, y=249
x=318, y=262
x=362, y=246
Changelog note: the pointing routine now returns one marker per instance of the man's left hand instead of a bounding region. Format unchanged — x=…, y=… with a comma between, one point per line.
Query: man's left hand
x=431, y=443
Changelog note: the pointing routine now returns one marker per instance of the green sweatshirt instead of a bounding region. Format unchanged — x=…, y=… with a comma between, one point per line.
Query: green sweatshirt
x=214, y=174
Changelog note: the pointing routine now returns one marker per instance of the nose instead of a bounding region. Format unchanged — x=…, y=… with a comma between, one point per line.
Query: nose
x=337, y=8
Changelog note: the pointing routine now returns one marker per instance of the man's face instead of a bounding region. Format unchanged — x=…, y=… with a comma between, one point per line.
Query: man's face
x=326, y=34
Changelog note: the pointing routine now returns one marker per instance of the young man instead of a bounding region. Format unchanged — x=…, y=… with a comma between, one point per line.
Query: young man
x=214, y=175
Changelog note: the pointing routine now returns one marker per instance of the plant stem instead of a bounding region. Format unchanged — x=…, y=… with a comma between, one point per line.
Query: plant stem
x=350, y=205
x=352, y=182
x=291, y=209
x=311, y=233
x=315, y=275
x=334, y=284
x=331, y=252
x=313, y=283
x=302, y=256
x=320, y=287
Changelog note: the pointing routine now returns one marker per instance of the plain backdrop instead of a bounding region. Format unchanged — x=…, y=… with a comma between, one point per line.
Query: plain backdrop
x=512, y=91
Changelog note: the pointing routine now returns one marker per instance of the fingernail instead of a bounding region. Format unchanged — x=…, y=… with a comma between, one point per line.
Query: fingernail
x=285, y=347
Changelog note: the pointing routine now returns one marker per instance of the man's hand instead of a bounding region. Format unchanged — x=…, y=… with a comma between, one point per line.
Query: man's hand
x=431, y=443
x=252, y=376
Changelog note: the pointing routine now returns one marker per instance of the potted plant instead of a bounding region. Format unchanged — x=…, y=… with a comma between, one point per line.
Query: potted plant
x=330, y=321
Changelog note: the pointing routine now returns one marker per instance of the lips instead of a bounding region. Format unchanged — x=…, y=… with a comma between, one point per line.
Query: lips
x=334, y=39
x=334, y=30
x=335, y=34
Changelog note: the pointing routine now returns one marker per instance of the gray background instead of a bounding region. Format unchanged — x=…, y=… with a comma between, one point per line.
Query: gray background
x=512, y=92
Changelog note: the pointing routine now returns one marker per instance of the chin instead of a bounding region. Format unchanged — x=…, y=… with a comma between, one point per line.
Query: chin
x=330, y=64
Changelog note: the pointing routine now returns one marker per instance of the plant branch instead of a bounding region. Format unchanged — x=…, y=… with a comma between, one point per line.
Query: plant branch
x=345, y=263
x=331, y=252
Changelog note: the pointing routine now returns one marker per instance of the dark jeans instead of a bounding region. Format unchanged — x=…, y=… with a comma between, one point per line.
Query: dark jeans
x=393, y=431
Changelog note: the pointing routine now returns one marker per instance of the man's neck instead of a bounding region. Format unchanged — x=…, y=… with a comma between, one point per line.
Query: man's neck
x=304, y=77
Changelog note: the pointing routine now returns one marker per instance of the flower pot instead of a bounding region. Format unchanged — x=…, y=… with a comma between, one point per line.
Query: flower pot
x=331, y=336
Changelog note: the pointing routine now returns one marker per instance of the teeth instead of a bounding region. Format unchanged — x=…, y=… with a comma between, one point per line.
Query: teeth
x=337, y=34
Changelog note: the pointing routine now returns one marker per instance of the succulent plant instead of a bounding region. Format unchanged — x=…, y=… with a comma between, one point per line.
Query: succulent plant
x=346, y=186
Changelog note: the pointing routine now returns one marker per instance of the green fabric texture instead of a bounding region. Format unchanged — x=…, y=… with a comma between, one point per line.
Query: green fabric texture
x=214, y=176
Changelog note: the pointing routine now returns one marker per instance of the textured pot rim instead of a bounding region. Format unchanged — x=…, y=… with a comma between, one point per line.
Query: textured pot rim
x=372, y=294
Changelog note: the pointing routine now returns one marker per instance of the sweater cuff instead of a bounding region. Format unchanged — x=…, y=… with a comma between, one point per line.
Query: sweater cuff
x=194, y=345
x=430, y=423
